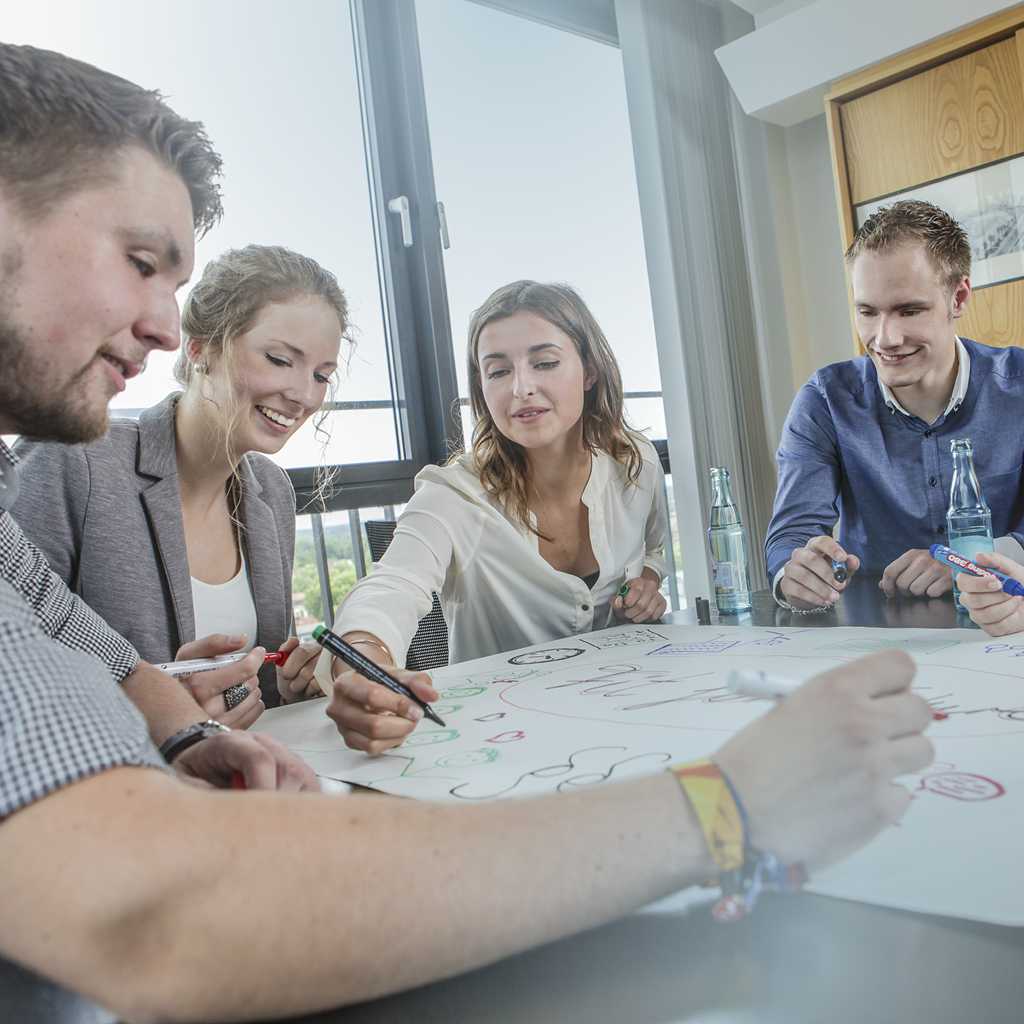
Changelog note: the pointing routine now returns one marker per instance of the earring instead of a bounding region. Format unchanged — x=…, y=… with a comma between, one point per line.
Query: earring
x=200, y=367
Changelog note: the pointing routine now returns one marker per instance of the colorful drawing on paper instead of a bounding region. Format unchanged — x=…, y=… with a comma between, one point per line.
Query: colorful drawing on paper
x=604, y=640
x=868, y=645
x=547, y=655
x=638, y=698
x=712, y=645
x=962, y=786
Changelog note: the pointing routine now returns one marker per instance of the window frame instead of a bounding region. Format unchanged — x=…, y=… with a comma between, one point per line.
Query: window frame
x=417, y=327
x=414, y=298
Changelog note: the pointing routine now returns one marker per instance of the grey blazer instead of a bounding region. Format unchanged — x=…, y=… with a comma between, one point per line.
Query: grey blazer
x=107, y=515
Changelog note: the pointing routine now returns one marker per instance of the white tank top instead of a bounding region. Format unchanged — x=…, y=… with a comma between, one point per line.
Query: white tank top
x=225, y=607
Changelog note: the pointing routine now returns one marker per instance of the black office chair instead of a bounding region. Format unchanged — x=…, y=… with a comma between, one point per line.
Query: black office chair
x=429, y=647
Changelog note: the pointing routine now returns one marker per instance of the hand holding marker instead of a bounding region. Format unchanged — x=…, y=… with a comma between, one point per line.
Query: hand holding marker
x=755, y=683
x=943, y=554
x=332, y=642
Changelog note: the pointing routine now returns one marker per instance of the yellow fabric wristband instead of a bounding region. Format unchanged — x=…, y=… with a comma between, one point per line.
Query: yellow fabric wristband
x=720, y=818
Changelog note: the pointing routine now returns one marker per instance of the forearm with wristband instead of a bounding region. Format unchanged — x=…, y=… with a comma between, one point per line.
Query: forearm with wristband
x=743, y=872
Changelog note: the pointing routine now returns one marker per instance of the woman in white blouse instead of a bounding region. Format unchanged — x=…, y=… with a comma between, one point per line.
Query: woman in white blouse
x=532, y=534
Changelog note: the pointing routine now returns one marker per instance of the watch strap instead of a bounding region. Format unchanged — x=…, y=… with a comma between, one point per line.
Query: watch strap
x=189, y=737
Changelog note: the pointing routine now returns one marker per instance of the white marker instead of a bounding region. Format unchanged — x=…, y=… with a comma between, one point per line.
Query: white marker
x=189, y=668
x=754, y=683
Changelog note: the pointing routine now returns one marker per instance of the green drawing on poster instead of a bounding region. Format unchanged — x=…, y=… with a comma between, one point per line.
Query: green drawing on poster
x=423, y=739
x=457, y=692
x=448, y=767
x=444, y=710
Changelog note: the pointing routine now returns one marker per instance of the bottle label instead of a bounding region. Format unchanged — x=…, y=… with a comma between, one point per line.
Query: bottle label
x=723, y=575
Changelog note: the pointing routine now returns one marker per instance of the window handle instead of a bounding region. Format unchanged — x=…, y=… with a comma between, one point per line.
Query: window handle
x=444, y=225
x=400, y=205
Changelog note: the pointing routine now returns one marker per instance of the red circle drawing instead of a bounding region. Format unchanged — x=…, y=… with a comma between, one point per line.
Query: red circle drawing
x=962, y=786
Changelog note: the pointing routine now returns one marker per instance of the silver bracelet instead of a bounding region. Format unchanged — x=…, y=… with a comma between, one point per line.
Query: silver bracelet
x=798, y=611
x=809, y=611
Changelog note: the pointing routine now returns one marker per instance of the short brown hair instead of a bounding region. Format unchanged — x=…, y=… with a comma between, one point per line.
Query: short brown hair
x=500, y=462
x=914, y=220
x=62, y=119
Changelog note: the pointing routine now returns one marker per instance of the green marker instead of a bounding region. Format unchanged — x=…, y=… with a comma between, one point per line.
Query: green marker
x=332, y=642
x=624, y=590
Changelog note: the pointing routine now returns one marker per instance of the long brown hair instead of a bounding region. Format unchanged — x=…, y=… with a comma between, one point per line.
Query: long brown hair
x=501, y=463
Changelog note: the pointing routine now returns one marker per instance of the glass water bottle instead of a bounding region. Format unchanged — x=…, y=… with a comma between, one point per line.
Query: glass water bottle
x=728, y=542
x=968, y=521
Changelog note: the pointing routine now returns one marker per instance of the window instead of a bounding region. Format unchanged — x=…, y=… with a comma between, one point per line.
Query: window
x=533, y=161
x=326, y=115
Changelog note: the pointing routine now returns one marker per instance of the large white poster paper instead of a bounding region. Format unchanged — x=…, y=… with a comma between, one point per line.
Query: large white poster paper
x=629, y=701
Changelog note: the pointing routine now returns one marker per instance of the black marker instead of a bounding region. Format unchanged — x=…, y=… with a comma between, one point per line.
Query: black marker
x=703, y=612
x=332, y=642
x=839, y=571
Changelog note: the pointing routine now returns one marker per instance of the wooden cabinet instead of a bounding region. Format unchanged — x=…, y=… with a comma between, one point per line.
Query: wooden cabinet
x=940, y=110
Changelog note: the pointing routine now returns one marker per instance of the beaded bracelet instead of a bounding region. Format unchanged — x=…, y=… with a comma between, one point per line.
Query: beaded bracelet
x=743, y=872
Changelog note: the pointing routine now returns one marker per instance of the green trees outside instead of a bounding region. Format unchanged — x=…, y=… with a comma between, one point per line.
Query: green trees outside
x=339, y=560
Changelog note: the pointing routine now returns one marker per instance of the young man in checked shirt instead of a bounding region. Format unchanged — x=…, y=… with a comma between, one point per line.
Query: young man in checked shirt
x=128, y=886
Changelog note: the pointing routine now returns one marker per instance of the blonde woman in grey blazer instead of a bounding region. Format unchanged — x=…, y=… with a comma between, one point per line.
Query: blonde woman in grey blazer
x=165, y=510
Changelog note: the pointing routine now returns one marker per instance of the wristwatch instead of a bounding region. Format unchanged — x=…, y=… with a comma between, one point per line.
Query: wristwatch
x=189, y=737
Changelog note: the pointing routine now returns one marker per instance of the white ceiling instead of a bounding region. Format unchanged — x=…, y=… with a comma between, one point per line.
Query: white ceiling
x=781, y=71
x=767, y=11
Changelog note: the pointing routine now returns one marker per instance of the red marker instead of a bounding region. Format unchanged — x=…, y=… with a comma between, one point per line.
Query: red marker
x=237, y=780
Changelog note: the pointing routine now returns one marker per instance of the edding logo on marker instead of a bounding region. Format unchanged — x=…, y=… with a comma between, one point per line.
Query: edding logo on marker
x=943, y=554
x=967, y=564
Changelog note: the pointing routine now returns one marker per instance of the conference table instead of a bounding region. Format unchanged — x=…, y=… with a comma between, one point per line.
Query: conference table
x=798, y=959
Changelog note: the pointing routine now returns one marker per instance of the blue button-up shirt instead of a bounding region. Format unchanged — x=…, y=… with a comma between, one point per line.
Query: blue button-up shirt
x=845, y=455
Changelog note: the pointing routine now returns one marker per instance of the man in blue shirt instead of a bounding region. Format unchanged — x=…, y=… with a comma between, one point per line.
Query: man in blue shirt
x=867, y=442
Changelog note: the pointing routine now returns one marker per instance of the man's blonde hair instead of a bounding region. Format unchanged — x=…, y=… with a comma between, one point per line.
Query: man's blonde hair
x=914, y=220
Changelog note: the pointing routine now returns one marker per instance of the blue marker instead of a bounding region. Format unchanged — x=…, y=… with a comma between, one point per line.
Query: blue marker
x=838, y=571
x=943, y=554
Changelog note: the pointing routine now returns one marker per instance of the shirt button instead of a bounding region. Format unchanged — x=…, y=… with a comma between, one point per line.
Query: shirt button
x=586, y=607
x=927, y=433
x=942, y=529
x=932, y=481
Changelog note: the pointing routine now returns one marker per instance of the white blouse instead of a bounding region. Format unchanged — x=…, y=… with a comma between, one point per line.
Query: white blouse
x=496, y=590
x=225, y=607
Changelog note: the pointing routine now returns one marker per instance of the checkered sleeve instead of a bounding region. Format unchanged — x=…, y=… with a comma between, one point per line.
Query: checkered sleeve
x=63, y=718
x=63, y=616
